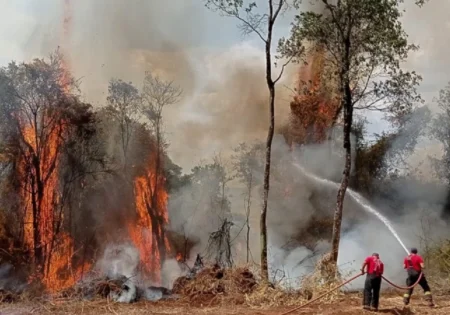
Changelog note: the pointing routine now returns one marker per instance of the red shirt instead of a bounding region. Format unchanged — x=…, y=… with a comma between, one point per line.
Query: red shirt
x=372, y=264
x=416, y=260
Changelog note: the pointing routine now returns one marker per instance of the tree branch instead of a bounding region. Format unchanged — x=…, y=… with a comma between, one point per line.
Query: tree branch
x=282, y=69
x=229, y=13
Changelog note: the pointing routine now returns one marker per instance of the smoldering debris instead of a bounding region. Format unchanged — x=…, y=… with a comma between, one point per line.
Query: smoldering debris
x=12, y=284
x=116, y=276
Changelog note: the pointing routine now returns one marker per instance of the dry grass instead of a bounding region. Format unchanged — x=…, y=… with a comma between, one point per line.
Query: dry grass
x=349, y=304
x=92, y=289
x=265, y=296
x=224, y=291
x=214, y=285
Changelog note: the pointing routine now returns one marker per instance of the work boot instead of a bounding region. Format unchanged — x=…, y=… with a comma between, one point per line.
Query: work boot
x=374, y=309
x=406, y=299
x=429, y=299
x=366, y=308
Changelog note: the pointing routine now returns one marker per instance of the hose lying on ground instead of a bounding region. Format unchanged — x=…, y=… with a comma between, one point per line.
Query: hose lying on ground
x=346, y=282
x=326, y=293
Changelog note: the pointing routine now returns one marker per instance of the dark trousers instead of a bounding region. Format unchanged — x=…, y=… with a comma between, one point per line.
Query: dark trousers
x=423, y=283
x=372, y=288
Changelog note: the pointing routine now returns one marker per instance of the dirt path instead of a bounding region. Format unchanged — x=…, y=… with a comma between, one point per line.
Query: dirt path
x=347, y=305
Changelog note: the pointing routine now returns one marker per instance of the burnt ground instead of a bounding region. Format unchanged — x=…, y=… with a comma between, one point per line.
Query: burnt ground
x=349, y=304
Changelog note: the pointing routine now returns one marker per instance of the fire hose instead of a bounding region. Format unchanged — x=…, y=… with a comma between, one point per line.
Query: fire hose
x=326, y=293
x=404, y=288
x=346, y=282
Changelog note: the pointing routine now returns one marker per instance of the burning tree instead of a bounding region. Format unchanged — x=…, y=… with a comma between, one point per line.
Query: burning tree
x=156, y=95
x=42, y=122
x=315, y=108
x=364, y=45
x=142, y=148
x=147, y=227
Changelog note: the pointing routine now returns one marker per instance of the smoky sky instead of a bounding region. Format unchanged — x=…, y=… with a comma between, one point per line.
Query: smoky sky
x=220, y=71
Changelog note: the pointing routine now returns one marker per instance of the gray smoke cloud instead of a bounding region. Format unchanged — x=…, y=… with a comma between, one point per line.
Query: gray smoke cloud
x=225, y=96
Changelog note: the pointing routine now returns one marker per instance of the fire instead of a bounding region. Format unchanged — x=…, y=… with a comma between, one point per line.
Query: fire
x=67, y=23
x=314, y=108
x=147, y=231
x=48, y=165
x=51, y=247
x=42, y=216
x=179, y=257
x=61, y=274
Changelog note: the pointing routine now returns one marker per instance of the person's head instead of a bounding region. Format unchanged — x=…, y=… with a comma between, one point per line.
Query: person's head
x=413, y=250
x=376, y=255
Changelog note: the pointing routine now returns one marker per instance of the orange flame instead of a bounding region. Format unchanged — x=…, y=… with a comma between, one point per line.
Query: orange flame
x=48, y=165
x=57, y=250
x=147, y=231
x=313, y=110
x=67, y=24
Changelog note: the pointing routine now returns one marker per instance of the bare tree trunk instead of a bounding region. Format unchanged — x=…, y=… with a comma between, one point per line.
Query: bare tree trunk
x=341, y=193
x=36, y=235
x=249, y=202
x=348, y=119
x=271, y=87
x=263, y=223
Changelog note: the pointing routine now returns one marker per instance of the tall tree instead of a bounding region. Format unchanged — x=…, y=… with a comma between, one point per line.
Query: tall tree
x=263, y=26
x=156, y=95
x=440, y=131
x=123, y=105
x=44, y=127
x=365, y=45
x=246, y=162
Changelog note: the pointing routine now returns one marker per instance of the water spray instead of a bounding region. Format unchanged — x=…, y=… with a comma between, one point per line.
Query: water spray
x=359, y=199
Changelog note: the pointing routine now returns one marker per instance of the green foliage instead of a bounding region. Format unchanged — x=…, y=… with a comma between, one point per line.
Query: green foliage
x=175, y=178
x=123, y=99
x=370, y=164
x=440, y=131
x=439, y=257
x=250, y=22
x=212, y=179
x=378, y=162
x=365, y=44
x=247, y=161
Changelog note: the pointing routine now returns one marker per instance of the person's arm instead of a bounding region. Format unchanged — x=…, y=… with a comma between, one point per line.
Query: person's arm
x=405, y=264
x=382, y=268
x=363, y=267
x=422, y=264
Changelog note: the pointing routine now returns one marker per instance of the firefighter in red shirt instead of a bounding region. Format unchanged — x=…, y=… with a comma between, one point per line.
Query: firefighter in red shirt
x=414, y=265
x=372, y=285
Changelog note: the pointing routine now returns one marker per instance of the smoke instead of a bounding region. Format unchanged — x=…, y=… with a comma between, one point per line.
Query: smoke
x=11, y=280
x=225, y=97
x=119, y=260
